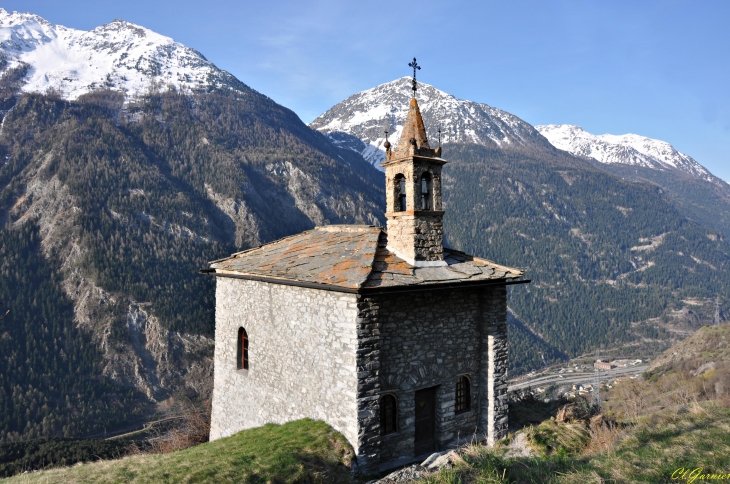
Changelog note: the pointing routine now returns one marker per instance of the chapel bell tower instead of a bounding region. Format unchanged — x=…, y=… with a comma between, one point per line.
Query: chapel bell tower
x=413, y=192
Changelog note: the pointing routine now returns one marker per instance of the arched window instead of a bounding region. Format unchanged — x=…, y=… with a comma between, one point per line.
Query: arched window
x=388, y=414
x=242, y=356
x=426, y=190
x=463, y=395
x=400, y=193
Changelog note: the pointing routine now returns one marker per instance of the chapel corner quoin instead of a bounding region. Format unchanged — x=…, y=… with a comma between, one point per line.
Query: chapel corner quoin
x=394, y=340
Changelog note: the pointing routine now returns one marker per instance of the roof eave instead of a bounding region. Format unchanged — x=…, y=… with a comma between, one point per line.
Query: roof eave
x=439, y=286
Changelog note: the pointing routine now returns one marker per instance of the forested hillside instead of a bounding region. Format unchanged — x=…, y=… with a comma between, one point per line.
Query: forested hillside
x=51, y=382
x=109, y=210
x=613, y=264
x=706, y=202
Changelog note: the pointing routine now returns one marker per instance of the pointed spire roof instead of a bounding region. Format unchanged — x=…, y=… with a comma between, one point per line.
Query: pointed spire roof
x=413, y=128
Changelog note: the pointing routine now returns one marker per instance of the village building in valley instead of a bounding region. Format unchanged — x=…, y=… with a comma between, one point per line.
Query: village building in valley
x=396, y=341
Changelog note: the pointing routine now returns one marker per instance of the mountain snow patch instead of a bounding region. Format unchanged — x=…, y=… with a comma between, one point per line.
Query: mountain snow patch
x=360, y=121
x=119, y=55
x=627, y=149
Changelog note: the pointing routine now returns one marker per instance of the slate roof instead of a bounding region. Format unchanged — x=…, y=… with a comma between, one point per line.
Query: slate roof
x=353, y=257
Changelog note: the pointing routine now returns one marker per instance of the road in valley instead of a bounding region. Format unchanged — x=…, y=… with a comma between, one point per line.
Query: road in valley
x=584, y=377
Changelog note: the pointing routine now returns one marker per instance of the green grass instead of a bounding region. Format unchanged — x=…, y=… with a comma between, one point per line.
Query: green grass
x=650, y=451
x=301, y=451
x=666, y=441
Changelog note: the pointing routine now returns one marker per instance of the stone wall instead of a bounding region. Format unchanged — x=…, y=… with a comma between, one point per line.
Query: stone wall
x=417, y=237
x=413, y=341
x=493, y=423
x=368, y=384
x=302, y=357
x=331, y=356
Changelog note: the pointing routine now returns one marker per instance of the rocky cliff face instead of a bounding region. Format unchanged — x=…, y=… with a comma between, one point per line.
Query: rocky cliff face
x=154, y=359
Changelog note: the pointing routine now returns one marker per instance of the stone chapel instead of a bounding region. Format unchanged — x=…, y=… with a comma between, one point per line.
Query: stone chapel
x=394, y=340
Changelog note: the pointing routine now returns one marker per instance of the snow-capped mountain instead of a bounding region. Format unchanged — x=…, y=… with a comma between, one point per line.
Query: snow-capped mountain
x=359, y=122
x=119, y=55
x=627, y=149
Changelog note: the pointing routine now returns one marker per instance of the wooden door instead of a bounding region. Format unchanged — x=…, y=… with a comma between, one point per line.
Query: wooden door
x=425, y=439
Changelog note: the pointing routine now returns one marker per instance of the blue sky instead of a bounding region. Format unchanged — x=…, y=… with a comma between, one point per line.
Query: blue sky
x=656, y=68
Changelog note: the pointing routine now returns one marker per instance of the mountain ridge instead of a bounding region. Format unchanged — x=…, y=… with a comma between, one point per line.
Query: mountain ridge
x=358, y=123
x=119, y=55
x=699, y=194
x=628, y=149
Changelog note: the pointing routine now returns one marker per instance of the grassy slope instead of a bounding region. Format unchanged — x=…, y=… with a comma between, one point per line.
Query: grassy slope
x=708, y=344
x=307, y=451
x=666, y=441
x=675, y=418
x=301, y=451
x=651, y=451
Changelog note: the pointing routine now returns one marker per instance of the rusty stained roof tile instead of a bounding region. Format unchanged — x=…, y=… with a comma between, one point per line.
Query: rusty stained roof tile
x=334, y=255
x=353, y=256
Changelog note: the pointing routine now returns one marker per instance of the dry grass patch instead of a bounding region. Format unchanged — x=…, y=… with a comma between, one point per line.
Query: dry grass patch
x=193, y=429
x=551, y=437
x=668, y=440
x=647, y=452
x=603, y=438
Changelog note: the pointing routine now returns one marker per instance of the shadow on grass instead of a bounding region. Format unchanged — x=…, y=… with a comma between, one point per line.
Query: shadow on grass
x=525, y=409
x=317, y=469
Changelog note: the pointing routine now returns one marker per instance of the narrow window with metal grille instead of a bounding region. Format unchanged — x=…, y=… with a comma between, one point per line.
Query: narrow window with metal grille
x=403, y=204
x=463, y=395
x=400, y=193
x=242, y=356
x=388, y=414
x=426, y=192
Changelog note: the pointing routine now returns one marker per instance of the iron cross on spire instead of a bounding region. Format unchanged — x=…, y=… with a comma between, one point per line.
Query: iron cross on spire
x=415, y=66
